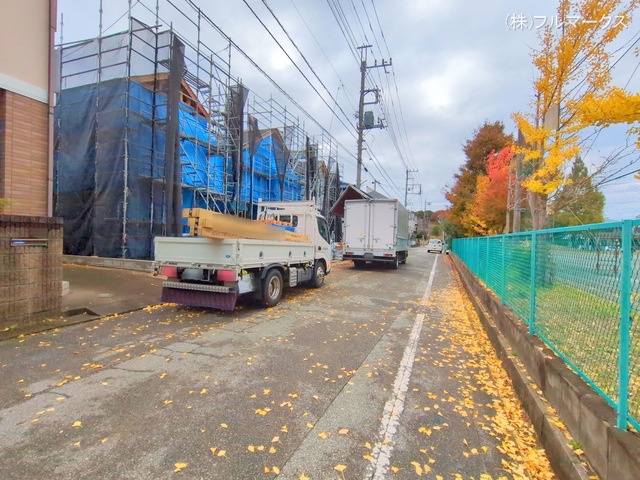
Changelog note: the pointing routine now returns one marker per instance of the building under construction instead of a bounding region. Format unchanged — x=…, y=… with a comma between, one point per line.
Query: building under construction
x=148, y=123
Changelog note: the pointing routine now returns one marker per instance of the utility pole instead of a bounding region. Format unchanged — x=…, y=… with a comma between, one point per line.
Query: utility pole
x=406, y=186
x=362, y=125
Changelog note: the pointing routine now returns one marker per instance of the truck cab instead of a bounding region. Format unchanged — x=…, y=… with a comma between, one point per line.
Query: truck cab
x=303, y=218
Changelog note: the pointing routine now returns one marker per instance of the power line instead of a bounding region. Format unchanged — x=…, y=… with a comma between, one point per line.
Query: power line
x=260, y=69
x=342, y=84
x=305, y=61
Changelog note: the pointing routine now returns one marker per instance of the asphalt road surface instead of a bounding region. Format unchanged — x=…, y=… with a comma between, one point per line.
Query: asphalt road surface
x=380, y=373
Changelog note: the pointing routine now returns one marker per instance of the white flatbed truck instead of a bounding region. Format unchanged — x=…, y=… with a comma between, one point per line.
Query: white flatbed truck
x=214, y=272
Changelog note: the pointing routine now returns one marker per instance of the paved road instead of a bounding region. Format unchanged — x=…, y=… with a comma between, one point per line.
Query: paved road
x=379, y=374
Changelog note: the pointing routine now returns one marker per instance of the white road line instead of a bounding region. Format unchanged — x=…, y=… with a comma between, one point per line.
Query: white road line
x=383, y=448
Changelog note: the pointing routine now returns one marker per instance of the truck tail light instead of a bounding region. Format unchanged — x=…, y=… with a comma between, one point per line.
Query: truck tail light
x=226, y=275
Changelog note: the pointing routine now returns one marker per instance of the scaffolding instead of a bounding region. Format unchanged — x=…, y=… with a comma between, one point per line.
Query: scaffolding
x=149, y=122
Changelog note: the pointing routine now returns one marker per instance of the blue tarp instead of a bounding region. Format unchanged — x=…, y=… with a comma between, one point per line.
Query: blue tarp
x=101, y=145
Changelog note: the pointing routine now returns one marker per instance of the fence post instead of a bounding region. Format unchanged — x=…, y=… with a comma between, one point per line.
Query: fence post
x=625, y=325
x=486, y=261
x=504, y=269
x=532, y=285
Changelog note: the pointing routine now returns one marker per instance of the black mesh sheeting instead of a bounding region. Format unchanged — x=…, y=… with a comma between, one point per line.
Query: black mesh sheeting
x=282, y=157
x=75, y=167
x=234, y=119
x=337, y=222
x=312, y=155
x=108, y=212
x=254, y=140
x=173, y=172
x=109, y=170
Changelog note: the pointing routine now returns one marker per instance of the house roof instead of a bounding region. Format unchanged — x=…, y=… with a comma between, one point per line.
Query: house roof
x=187, y=95
x=349, y=193
x=354, y=193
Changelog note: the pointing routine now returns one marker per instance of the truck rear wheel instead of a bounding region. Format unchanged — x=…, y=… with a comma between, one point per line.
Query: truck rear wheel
x=319, y=272
x=272, y=286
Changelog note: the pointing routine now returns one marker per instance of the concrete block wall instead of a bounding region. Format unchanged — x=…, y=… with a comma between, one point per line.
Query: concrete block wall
x=614, y=454
x=30, y=276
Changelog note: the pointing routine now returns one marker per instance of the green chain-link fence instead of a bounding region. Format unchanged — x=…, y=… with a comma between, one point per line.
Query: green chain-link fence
x=578, y=288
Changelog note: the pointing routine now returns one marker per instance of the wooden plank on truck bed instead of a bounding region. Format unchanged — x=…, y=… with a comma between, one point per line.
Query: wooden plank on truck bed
x=206, y=223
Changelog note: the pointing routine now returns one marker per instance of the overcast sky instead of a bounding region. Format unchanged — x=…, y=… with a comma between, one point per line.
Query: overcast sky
x=455, y=64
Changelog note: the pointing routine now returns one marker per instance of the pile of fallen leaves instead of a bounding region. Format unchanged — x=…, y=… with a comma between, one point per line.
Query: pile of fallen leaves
x=510, y=424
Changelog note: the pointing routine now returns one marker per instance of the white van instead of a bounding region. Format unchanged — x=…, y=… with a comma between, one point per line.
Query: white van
x=434, y=245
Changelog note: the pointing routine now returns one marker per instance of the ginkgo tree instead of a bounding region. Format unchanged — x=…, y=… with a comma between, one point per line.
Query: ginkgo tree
x=572, y=92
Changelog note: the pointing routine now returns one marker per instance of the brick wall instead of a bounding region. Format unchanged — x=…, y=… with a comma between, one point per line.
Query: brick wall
x=23, y=154
x=30, y=276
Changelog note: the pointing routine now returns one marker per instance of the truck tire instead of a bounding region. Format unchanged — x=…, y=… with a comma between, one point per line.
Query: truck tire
x=319, y=272
x=396, y=262
x=272, y=286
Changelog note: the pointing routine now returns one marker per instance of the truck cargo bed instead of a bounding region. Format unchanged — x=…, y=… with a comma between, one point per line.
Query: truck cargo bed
x=230, y=253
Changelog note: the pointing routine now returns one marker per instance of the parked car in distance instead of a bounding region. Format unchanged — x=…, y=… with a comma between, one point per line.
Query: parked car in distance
x=434, y=245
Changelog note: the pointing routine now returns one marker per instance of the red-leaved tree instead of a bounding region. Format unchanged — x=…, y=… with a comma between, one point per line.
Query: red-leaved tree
x=489, y=210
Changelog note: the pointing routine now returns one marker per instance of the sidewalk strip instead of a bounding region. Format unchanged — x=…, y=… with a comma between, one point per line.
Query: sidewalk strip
x=393, y=408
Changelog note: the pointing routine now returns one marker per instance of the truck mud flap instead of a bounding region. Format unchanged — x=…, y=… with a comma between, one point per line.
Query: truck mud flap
x=196, y=298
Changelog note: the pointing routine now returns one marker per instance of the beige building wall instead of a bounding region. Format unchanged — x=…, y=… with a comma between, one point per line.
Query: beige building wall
x=24, y=56
x=25, y=134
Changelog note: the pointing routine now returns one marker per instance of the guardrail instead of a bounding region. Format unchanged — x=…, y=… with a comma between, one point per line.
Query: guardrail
x=578, y=289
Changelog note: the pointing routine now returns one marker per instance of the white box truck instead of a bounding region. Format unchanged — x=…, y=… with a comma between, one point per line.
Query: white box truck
x=213, y=272
x=375, y=231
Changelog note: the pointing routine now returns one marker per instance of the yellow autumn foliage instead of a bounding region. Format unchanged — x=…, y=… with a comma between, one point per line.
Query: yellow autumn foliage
x=574, y=73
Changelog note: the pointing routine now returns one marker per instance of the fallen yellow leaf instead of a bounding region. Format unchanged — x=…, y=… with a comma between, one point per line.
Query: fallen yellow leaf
x=179, y=466
x=276, y=470
x=343, y=431
x=77, y=424
x=340, y=468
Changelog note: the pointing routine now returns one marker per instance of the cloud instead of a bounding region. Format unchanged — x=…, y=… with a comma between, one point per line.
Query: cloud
x=456, y=64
